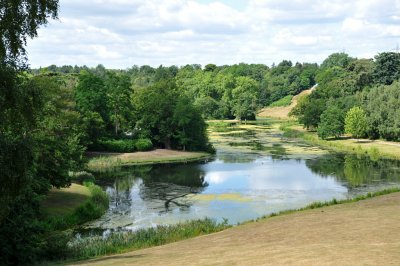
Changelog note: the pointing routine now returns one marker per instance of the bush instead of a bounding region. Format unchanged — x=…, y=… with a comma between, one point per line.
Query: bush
x=122, y=145
x=143, y=145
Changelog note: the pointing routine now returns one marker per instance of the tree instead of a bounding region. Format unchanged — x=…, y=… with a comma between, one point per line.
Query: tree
x=337, y=60
x=387, y=68
x=332, y=123
x=118, y=90
x=244, y=98
x=355, y=122
x=91, y=101
x=169, y=118
x=191, y=129
x=18, y=21
x=308, y=111
x=381, y=105
x=154, y=109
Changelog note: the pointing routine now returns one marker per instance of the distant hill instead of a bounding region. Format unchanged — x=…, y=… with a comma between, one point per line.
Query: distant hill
x=283, y=111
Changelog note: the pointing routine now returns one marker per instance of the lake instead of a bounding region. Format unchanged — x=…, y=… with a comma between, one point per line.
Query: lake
x=241, y=183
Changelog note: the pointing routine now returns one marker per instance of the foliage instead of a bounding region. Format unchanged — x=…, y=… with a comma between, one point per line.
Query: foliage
x=383, y=115
x=92, y=209
x=168, y=118
x=143, y=145
x=20, y=20
x=332, y=123
x=308, y=111
x=244, y=98
x=337, y=60
x=387, y=68
x=346, y=82
x=118, y=90
x=356, y=122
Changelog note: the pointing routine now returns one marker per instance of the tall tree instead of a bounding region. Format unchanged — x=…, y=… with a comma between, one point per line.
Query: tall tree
x=387, y=68
x=244, y=98
x=20, y=20
x=118, y=87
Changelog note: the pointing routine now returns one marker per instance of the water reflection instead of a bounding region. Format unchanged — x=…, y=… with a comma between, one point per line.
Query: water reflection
x=354, y=171
x=237, y=189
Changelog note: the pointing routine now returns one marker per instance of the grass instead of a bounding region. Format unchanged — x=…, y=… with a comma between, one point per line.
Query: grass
x=285, y=101
x=109, y=161
x=129, y=241
x=92, y=207
x=373, y=149
x=62, y=202
x=120, y=242
x=321, y=204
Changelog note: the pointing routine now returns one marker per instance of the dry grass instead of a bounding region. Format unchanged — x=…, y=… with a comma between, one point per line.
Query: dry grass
x=361, y=233
x=282, y=112
x=61, y=202
x=377, y=148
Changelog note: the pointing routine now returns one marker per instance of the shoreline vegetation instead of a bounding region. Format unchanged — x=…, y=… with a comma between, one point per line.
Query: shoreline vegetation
x=130, y=241
x=68, y=207
x=375, y=149
x=100, y=161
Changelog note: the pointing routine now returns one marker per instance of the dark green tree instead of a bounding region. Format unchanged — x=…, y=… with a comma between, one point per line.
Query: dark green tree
x=20, y=20
x=337, y=60
x=387, y=68
x=332, y=123
x=244, y=98
x=118, y=91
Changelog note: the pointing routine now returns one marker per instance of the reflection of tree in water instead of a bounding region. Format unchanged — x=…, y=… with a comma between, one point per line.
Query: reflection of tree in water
x=356, y=171
x=169, y=184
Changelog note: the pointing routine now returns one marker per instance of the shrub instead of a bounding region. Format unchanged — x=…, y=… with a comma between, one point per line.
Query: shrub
x=144, y=145
x=113, y=145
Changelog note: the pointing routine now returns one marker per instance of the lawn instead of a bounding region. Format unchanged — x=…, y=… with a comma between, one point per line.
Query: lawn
x=61, y=202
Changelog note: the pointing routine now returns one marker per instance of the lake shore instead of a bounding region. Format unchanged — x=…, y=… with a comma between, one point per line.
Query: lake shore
x=105, y=160
x=61, y=202
x=352, y=233
x=67, y=207
x=375, y=149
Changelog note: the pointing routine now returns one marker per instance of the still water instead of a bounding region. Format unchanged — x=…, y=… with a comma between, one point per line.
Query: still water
x=237, y=186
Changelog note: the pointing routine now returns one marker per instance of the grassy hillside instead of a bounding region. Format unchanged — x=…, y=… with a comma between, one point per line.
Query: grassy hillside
x=280, y=109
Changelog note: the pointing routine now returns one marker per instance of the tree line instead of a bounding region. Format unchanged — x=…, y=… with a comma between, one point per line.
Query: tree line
x=359, y=97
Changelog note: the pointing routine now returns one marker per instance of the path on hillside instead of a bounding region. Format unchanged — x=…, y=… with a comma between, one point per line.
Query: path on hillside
x=362, y=233
x=283, y=111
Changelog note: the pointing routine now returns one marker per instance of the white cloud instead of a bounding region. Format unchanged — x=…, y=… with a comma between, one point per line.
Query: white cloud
x=120, y=33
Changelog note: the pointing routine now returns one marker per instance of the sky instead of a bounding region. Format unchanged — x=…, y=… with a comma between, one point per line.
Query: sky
x=123, y=33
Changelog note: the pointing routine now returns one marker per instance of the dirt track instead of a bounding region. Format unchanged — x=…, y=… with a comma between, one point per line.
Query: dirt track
x=362, y=233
